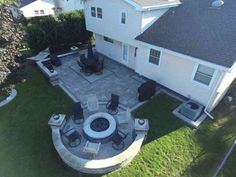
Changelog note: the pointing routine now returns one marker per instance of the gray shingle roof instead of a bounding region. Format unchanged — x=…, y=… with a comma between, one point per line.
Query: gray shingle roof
x=196, y=29
x=26, y=2
x=146, y=3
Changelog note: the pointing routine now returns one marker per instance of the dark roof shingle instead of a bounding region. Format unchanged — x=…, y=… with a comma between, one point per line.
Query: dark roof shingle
x=198, y=30
x=26, y=2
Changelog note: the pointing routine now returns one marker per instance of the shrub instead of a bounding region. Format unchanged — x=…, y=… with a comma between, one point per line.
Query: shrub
x=57, y=33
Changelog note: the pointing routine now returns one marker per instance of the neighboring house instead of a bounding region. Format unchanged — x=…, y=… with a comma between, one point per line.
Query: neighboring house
x=188, y=46
x=16, y=13
x=33, y=8
x=67, y=5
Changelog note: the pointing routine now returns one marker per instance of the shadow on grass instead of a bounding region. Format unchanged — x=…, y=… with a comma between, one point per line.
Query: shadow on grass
x=161, y=121
x=215, y=138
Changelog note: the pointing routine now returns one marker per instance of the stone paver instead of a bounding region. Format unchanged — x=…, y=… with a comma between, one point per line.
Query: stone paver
x=116, y=79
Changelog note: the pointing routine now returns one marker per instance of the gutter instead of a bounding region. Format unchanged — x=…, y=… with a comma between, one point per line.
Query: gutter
x=214, y=94
x=164, y=6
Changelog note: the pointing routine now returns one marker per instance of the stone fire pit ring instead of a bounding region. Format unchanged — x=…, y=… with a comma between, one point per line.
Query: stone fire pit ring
x=99, y=134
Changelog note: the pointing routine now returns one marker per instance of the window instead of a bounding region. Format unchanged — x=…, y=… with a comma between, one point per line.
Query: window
x=42, y=12
x=93, y=11
x=123, y=18
x=154, y=56
x=99, y=12
x=204, y=74
x=36, y=12
x=107, y=39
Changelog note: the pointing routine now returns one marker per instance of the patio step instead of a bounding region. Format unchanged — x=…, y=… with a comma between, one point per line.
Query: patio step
x=67, y=90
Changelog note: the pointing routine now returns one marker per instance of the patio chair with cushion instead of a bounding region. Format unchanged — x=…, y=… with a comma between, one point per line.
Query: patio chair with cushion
x=113, y=104
x=92, y=102
x=73, y=137
x=84, y=69
x=92, y=148
x=77, y=113
x=55, y=61
x=49, y=66
x=82, y=58
x=123, y=117
x=118, y=140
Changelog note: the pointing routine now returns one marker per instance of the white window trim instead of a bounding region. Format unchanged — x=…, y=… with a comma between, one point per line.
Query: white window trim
x=160, y=59
x=97, y=13
x=90, y=12
x=199, y=83
x=123, y=11
x=108, y=41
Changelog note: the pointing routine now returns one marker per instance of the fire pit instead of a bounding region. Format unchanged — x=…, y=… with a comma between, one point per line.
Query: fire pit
x=99, y=126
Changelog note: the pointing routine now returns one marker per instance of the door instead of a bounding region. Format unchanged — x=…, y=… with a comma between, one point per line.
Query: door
x=125, y=53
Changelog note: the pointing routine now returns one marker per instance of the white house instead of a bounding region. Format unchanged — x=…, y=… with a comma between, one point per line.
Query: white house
x=67, y=5
x=188, y=46
x=33, y=8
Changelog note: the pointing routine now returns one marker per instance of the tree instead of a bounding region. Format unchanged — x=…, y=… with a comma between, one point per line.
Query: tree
x=10, y=43
x=57, y=33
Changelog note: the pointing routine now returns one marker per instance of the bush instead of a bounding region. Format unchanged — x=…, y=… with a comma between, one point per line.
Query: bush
x=57, y=33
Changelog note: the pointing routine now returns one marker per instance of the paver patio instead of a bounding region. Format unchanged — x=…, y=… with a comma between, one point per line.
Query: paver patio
x=116, y=79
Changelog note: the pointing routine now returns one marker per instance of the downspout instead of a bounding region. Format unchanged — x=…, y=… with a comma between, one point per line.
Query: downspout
x=213, y=95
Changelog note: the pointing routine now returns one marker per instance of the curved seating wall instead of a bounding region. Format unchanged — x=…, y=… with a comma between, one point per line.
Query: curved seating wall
x=99, y=166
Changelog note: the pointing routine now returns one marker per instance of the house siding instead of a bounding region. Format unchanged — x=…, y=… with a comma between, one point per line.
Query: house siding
x=68, y=6
x=226, y=82
x=46, y=5
x=115, y=50
x=174, y=73
x=110, y=24
x=149, y=17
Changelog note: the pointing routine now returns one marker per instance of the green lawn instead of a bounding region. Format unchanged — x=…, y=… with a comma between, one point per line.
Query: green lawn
x=229, y=166
x=172, y=148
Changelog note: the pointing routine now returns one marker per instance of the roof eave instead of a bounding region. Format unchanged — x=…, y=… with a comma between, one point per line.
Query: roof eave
x=216, y=66
x=164, y=6
x=155, y=7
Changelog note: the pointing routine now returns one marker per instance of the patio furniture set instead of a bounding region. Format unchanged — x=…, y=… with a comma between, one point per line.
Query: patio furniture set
x=92, y=64
x=98, y=128
x=88, y=65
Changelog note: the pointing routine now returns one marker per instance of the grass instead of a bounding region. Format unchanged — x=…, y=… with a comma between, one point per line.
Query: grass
x=172, y=148
x=25, y=141
x=229, y=167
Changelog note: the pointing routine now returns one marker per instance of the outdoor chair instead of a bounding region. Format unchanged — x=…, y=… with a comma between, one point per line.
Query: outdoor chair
x=123, y=117
x=92, y=148
x=55, y=61
x=73, y=137
x=118, y=140
x=100, y=67
x=84, y=69
x=92, y=102
x=113, y=104
x=77, y=113
x=147, y=90
x=96, y=57
x=82, y=57
x=49, y=66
